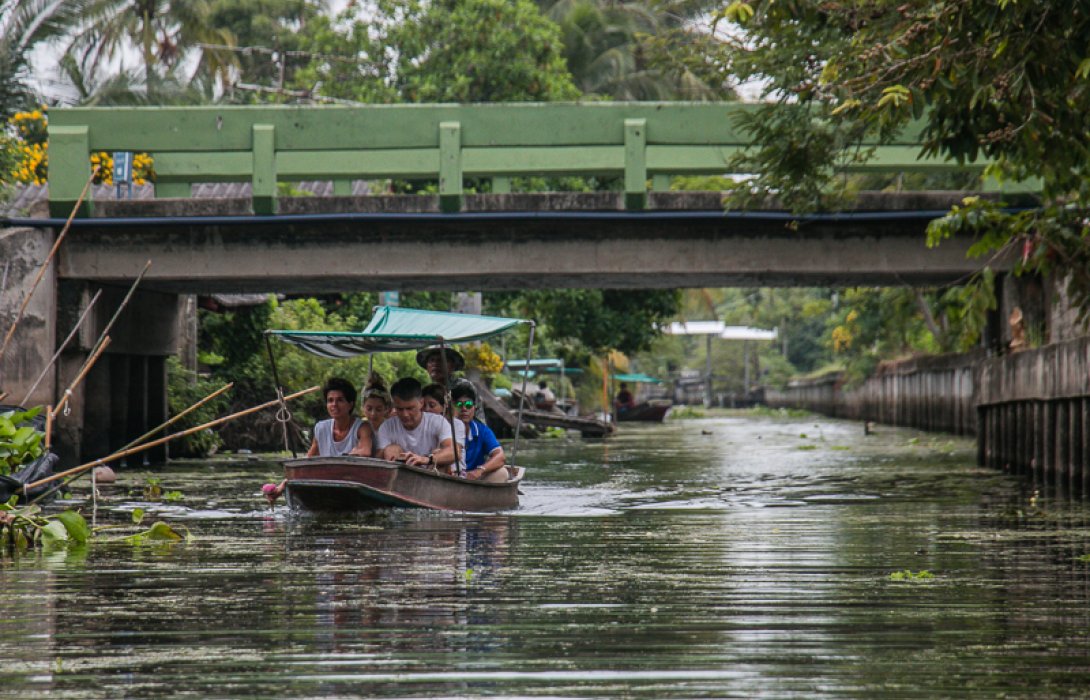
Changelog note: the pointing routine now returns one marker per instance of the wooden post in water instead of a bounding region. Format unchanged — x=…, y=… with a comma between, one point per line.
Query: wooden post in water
x=1084, y=467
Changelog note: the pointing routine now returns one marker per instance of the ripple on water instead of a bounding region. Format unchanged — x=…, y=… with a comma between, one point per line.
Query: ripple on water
x=753, y=562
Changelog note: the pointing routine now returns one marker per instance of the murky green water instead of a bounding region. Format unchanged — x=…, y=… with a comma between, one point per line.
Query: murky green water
x=731, y=557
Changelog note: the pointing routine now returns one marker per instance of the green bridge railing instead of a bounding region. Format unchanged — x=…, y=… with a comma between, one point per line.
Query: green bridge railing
x=640, y=141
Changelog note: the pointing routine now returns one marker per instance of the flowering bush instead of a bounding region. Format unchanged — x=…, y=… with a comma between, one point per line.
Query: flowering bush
x=482, y=357
x=31, y=159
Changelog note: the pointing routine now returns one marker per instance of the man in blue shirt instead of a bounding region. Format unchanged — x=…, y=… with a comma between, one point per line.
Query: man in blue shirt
x=484, y=456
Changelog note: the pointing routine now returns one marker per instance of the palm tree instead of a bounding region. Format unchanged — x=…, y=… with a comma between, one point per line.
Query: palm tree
x=614, y=49
x=23, y=25
x=162, y=31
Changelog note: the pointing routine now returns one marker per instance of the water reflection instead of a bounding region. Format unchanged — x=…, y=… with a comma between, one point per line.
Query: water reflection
x=728, y=557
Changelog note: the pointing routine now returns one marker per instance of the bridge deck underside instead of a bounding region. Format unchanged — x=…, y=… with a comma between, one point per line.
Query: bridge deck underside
x=511, y=250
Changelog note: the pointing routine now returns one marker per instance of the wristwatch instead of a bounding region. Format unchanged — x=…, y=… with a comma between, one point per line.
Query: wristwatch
x=431, y=460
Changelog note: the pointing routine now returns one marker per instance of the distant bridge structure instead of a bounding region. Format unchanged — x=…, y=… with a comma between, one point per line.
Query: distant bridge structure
x=634, y=237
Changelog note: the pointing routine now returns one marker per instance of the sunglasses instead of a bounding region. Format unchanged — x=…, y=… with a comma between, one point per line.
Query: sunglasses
x=463, y=404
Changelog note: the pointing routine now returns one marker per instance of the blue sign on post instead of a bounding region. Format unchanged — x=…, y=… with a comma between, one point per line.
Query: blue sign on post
x=389, y=298
x=123, y=171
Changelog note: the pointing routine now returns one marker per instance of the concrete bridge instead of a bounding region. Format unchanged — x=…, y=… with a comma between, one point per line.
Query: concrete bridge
x=636, y=236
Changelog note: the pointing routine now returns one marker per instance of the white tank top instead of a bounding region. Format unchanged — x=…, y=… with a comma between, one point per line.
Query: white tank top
x=323, y=433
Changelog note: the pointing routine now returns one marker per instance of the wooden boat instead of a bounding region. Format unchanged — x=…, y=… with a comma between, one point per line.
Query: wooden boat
x=653, y=411
x=339, y=484
x=345, y=483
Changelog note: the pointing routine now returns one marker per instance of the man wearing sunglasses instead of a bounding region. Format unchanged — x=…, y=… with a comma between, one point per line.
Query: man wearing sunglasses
x=484, y=456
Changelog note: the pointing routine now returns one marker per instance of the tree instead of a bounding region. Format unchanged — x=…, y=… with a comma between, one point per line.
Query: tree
x=269, y=37
x=620, y=50
x=443, y=51
x=163, y=32
x=24, y=24
x=597, y=320
x=1006, y=81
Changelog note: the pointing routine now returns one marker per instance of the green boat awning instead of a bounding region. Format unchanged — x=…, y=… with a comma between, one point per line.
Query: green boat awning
x=394, y=329
x=639, y=378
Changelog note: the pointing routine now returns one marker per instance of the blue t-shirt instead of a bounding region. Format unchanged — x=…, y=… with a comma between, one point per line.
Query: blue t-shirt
x=480, y=442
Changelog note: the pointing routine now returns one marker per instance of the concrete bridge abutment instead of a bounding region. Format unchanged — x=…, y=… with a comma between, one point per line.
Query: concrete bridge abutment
x=125, y=393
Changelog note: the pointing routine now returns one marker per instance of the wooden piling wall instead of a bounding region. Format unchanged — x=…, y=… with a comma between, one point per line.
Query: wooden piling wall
x=932, y=393
x=1034, y=413
x=1030, y=411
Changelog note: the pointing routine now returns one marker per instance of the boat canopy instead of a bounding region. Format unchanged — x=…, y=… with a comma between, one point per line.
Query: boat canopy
x=394, y=329
x=639, y=378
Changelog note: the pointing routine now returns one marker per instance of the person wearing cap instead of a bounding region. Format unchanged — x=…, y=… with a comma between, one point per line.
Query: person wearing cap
x=431, y=359
x=484, y=456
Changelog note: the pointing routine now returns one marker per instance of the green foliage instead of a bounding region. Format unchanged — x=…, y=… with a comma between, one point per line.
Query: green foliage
x=629, y=50
x=24, y=26
x=159, y=532
x=911, y=576
x=272, y=30
x=163, y=33
x=24, y=527
x=445, y=51
x=597, y=319
x=185, y=388
x=20, y=443
x=974, y=80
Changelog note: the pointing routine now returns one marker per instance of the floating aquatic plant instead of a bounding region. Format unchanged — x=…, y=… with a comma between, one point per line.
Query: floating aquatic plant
x=910, y=575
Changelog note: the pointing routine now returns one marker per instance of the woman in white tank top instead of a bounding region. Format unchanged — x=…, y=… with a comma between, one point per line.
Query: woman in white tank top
x=342, y=433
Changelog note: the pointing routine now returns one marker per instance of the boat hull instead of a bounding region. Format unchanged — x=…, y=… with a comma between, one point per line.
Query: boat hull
x=648, y=411
x=346, y=484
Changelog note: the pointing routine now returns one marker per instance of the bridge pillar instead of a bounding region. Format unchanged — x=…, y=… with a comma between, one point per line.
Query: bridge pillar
x=125, y=394
x=22, y=251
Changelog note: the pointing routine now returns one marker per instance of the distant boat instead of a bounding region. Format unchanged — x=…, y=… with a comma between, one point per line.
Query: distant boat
x=653, y=411
x=346, y=483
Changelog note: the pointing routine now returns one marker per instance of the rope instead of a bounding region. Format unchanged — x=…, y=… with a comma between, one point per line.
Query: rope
x=283, y=416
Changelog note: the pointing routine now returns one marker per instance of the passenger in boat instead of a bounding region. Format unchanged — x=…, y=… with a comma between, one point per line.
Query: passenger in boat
x=625, y=400
x=431, y=359
x=434, y=397
x=412, y=435
x=544, y=398
x=376, y=402
x=343, y=433
x=484, y=456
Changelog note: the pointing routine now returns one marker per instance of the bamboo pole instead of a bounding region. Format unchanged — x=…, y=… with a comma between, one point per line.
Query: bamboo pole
x=137, y=441
x=45, y=265
x=183, y=414
x=79, y=377
x=67, y=340
x=155, y=443
x=48, y=427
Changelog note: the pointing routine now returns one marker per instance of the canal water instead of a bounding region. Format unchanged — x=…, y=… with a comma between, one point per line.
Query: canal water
x=743, y=556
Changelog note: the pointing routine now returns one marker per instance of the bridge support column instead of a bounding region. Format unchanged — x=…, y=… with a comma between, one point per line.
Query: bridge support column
x=125, y=393
x=22, y=251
